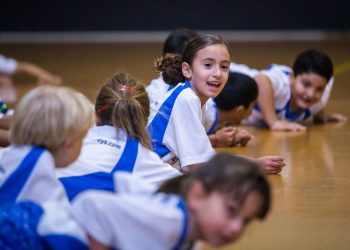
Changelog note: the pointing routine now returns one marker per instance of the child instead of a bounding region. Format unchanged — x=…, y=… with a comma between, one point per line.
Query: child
x=174, y=44
x=178, y=121
x=48, y=126
x=8, y=68
x=213, y=203
x=119, y=141
x=229, y=108
x=228, y=136
x=290, y=97
x=50, y=225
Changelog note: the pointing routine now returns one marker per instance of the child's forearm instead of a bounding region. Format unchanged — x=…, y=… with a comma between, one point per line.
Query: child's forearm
x=266, y=100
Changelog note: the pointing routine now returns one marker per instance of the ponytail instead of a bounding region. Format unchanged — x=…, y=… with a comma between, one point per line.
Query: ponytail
x=129, y=115
x=123, y=103
x=170, y=65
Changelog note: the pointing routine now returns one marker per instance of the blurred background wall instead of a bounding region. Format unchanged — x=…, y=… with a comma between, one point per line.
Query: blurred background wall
x=107, y=17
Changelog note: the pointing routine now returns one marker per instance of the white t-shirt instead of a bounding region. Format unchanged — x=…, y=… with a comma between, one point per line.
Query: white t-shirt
x=156, y=90
x=106, y=151
x=27, y=173
x=7, y=65
x=281, y=85
x=130, y=222
x=59, y=229
x=177, y=128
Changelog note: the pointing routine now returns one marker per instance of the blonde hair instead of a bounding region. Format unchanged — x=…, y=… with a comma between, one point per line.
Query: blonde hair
x=123, y=103
x=48, y=115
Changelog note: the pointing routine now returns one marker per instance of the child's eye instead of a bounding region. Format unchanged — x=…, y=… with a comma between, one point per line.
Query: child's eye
x=225, y=67
x=207, y=65
x=306, y=84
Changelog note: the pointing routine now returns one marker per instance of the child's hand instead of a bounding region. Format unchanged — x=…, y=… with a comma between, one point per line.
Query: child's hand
x=271, y=164
x=242, y=137
x=280, y=125
x=336, y=118
x=224, y=137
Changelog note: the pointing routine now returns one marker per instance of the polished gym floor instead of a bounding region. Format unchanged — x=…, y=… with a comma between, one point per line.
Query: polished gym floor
x=311, y=196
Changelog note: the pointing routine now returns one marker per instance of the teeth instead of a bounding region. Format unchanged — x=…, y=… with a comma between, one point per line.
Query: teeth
x=214, y=84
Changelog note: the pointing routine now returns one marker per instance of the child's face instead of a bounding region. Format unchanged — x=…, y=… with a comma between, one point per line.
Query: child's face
x=209, y=71
x=307, y=89
x=221, y=221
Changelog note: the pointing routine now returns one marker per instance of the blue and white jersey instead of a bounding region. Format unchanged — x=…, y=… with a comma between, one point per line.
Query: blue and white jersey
x=128, y=222
x=106, y=151
x=27, y=225
x=7, y=65
x=156, y=91
x=177, y=128
x=27, y=173
x=243, y=69
x=279, y=76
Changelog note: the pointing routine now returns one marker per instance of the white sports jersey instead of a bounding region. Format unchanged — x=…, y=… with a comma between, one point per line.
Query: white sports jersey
x=130, y=222
x=106, y=151
x=281, y=85
x=7, y=65
x=27, y=173
x=156, y=91
x=243, y=69
x=177, y=128
x=26, y=225
x=211, y=112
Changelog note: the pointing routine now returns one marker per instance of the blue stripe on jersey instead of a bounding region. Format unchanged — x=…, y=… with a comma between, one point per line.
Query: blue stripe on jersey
x=59, y=242
x=19, y=223
x=160, y=122
x=17, y=180
x=215, y=123
x=102, y=180
x=286, y=72
x=294, y=116
x=185, y=225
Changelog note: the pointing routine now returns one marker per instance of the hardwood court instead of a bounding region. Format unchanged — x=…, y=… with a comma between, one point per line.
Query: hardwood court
x=311, y=197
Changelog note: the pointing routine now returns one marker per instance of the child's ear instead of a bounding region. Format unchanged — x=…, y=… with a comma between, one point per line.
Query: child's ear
x=67, y=144
x=186, y=70
x=240, y=109
x=195, y=195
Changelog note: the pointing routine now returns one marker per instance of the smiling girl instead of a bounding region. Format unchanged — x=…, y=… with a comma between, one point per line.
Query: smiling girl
x=176, y=122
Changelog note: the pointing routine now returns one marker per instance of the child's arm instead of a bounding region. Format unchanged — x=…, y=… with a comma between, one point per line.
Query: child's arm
x=42, y=75
x=266, y=104
x=321, y=117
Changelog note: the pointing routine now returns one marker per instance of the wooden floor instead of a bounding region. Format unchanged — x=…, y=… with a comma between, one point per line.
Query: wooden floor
x=311, y=197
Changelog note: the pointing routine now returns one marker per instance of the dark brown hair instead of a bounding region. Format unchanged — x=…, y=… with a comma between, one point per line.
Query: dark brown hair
x=233, y=176
x=170, y=65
